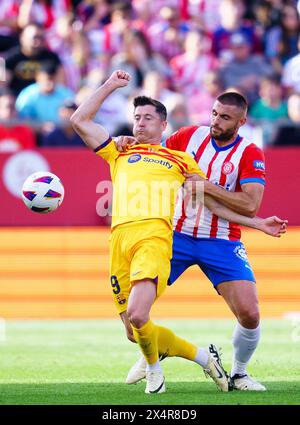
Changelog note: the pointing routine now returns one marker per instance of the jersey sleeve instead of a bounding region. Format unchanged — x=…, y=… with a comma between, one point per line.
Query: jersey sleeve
x=108, y=151
x=179, y=140
x=252, y=166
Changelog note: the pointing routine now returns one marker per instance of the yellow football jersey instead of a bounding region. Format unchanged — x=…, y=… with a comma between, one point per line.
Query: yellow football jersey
x=146, y=179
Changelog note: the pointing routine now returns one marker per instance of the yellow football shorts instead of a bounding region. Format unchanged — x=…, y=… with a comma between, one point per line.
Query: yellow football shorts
x=139, y=250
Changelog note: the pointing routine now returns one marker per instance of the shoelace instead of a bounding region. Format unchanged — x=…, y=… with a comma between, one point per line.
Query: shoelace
x=216, y=354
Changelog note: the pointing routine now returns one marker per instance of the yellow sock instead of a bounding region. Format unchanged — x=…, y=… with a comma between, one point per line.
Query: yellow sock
x=146, y=337
x=172, y=345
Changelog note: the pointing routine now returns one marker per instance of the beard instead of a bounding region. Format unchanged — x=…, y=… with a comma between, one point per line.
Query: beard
x=223, y=136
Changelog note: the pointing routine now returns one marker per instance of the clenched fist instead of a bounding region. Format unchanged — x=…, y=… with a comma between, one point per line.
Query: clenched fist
x=119, y=78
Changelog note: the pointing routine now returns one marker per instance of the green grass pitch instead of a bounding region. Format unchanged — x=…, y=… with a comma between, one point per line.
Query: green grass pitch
x=86, y=362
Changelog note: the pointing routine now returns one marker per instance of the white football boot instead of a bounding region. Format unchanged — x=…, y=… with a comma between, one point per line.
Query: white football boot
x=155, y=382
x=215, y=370
x=245, y=383
x=137, y=371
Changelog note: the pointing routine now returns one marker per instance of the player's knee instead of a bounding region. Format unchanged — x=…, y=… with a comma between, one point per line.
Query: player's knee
x=136, y=318
x=249, y=318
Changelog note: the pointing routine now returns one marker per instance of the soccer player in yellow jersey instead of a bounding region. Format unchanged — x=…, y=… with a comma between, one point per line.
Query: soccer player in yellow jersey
x=146, y=179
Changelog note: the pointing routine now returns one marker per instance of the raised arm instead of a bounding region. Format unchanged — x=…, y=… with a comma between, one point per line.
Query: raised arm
x=93, y=134
x=272, y=226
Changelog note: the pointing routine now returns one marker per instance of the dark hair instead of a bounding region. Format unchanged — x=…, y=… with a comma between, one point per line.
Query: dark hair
x=49, y=68
x=234, y=99
x=122, y=6
x=69, y=104
x=140, y=36
x=159, y=107
x=273, y=79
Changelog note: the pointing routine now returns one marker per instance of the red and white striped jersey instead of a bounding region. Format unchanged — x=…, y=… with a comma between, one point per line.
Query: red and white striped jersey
x=229, y=167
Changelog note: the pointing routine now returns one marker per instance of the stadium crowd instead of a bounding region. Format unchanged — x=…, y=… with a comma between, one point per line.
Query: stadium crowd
x=54, y=53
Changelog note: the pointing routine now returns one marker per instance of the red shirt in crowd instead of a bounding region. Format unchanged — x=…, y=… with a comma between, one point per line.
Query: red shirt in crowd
x=16, y=137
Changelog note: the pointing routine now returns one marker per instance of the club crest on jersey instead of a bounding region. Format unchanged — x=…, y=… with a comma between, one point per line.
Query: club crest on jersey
x=241, y=253
x=260, y=165
x=121, y=299
x=134, y=158
x=227, y=167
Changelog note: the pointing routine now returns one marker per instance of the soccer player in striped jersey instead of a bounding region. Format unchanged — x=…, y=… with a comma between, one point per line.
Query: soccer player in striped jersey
x=141, y=238
x=235, y=168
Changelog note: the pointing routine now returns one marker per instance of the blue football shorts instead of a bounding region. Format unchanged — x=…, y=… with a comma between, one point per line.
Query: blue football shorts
x=221, y=260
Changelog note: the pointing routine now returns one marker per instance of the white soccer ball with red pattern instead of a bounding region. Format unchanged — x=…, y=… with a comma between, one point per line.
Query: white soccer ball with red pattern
x=43, y=192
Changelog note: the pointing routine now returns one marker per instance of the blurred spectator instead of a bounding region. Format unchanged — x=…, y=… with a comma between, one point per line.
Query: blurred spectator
x=168, y=34
x=245, y=70
x=8, y=24
x=291, y=73
x=67, y=42
x=137, y=59
x=266, y=13
x=270, y=105
x=63, y=134
x=146, y=10
x=200, y=102
x=202, y=13
x=73, y=48
x=264, y=17
x=156, y=86
x=23, y=62
x=109, y=38
x=262, y=13
x=14, y=135
x=177, y=114
x=281, y=41
x=276, y=8
x=231, y=14
x=190, y=68
x=289, y=133
x=95, y=14
x=42, y=12
x=248, y=130
x=41, y=101
x=270, y=108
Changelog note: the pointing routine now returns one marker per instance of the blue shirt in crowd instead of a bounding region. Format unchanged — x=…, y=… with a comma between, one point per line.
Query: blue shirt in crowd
x=33, y=105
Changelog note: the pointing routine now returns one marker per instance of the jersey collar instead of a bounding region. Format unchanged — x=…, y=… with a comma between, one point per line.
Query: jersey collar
x=225, y=148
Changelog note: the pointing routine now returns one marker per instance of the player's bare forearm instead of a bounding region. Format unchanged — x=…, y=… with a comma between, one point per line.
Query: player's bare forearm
x=89, y=107
x=272, y=226
x=226, y=213
x=246, y=202
x=94, y=134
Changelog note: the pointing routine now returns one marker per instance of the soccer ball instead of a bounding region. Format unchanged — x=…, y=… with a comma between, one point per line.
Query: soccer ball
x=43, y=192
